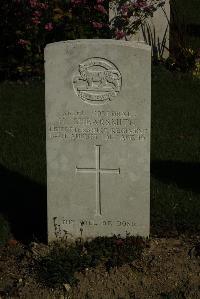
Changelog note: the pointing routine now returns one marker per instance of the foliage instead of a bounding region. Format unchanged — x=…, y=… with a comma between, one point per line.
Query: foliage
x=91, y=18
x=64, y=260
x=196, y=71
x=157, y=46
x=40, y=22
x=25, y=29
x=28, y=25
x=182, y=55
x=130, y=15
x=183, y=59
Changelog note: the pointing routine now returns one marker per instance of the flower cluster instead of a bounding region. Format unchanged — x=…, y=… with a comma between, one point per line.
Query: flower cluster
x=36, y=13
x=97, y=17
x=130, y=15
x=31, y=24
x=30, y=33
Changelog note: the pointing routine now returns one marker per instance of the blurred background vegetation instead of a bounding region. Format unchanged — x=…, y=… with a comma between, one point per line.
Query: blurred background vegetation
x=28, y=25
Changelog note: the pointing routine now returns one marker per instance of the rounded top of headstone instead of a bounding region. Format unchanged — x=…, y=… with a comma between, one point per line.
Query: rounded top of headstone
x=133, y=44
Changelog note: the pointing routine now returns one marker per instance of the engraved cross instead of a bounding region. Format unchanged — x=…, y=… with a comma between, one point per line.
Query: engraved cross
x=98, y=171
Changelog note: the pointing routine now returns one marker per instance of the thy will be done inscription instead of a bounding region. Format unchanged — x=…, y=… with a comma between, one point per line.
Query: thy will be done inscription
x=98, y=139
x=62, y=232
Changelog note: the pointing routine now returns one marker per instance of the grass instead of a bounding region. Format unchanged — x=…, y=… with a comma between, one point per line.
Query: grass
x=22, y=126
x=22, y=159
x=175, y=158
x=175, y=144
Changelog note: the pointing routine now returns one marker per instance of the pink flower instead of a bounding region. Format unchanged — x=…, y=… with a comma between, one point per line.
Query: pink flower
x=37, y=14
x=124, y=9
x=35, y=21
x=33, y=3
x=48, y=27
x=140, y=4
x=23, y=42
x=97, y=25
x=76, y=1
x=119, y=34
x=100, y=8
x=119, y=242
x=44, y=5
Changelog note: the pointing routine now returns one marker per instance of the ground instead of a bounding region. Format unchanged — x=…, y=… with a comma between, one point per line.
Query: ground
x=168, y=269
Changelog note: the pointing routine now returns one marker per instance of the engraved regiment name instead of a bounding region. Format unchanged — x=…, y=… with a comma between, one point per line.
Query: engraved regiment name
x=98, y=126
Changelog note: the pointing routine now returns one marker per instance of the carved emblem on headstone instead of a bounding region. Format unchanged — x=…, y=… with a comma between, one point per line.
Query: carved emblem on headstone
x=97, y=81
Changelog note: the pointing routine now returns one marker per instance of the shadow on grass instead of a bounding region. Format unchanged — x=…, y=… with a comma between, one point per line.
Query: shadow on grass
x=23, y=203
x=186, y=175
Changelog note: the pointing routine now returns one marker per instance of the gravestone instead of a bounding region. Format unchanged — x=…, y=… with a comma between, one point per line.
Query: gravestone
x=98, y=138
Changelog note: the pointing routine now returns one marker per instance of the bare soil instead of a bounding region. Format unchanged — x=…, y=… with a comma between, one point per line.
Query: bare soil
x=169, y=269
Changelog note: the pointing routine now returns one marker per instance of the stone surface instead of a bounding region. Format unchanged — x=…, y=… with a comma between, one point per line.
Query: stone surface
x=98, y=138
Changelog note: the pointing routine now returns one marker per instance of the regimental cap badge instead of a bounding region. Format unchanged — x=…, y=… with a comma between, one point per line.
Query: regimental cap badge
x=97, y=81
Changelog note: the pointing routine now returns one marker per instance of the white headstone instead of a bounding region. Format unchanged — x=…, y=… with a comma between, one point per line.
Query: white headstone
x=98, y=138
